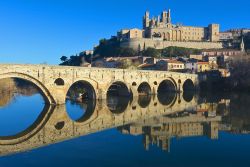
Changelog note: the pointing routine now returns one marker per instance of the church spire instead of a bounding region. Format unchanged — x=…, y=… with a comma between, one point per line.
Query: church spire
x=242, y=45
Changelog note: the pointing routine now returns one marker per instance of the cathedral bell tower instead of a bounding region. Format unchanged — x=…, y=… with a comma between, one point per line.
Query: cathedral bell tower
x=164, y=17
x=146, y=20
x=169, y=16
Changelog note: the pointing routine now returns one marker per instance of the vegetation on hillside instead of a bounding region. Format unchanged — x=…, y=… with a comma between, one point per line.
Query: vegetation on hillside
x=240, y=74
x=238, y=81
x=74, y=60
x=111, y=48
x=247, y=42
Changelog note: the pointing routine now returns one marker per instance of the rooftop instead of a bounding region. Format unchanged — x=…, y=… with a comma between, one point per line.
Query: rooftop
x=220, y=50
x=175, y=61
x=202, y=62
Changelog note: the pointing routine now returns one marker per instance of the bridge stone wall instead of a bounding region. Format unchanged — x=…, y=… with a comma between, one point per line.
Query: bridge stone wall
x=101, y=79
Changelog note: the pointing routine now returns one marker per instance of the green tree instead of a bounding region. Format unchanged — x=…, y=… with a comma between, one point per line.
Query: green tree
x=128, y=64
x=247, y=41
x=152, y=52
x=64, y=58
x=127, y=52
x=108, y=48
x=174, y=51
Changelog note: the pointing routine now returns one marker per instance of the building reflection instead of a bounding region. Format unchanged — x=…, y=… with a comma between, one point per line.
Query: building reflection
x=160, y=131
x=204, y=120
x=157, y=118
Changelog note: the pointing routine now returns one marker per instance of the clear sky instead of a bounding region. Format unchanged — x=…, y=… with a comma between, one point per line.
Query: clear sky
x=39, y=31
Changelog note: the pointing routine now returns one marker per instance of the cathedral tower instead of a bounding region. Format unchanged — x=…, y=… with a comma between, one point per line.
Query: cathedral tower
x=164, y=16
x=146, y=20
x=169, y=16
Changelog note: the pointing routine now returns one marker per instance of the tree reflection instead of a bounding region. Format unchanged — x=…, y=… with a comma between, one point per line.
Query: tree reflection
x=116, y=104
x=144, y=100
x=167, y=98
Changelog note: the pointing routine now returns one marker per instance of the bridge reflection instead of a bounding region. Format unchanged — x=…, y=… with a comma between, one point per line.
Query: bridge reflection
x=157, y=118
x=54, y=123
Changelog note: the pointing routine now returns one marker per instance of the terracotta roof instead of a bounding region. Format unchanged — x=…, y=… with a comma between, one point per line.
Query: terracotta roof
x=202, y=62
x=175, y=61
x=212, y=55
x=220, y=50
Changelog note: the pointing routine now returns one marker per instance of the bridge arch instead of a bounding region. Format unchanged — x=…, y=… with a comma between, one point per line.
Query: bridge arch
x=144, y=89
x=118, y=88
x=188, y=85
x=49, y=99
x=168, y=99
x=117, y=105
x=82, y=89
x=167, y=85
x=144, y=101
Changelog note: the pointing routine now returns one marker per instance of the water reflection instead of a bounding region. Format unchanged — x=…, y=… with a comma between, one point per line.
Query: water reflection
x=167, y=98
x=160, y=130
x=20, y=106
x=80, y=111
x=144, y=101
x=116, y=104
x=158, y=119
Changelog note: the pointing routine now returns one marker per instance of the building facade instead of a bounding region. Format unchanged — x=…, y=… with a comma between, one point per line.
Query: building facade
x=197, y=67
x=160, y=33
x=162, y=28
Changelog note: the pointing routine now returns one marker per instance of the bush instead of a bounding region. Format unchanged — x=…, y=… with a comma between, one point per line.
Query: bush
x=152, y=52
x=173, y=51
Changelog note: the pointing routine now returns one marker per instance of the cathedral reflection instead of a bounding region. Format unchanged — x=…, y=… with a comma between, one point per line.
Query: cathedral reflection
x=204, y=120
x=161, y=130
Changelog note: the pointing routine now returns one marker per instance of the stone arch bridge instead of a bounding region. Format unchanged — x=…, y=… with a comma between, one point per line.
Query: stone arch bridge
x=55, y=81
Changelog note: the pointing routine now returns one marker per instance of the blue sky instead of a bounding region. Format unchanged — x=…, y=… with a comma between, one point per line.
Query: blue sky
x=39, y=31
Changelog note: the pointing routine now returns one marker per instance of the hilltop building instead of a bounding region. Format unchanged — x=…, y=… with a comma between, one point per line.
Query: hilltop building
x=162, y=27
x=160, y=32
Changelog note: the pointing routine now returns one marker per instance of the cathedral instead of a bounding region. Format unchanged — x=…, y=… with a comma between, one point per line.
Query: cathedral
x=162, y=28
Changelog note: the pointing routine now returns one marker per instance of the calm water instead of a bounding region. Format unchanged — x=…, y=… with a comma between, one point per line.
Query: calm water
x=203, y=130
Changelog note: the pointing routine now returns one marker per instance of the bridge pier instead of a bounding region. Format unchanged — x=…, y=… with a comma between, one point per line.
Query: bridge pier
x=59, y=95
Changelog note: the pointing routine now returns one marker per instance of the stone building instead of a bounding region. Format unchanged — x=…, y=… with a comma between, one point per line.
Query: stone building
x=225, y=36
x=130, y=33
x=173, y=65
x=198, y=66
x=221, y=52
x=162, y=28
x=160, y=33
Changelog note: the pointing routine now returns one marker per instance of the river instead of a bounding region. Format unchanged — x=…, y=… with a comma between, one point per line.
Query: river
x=168, y=130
